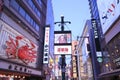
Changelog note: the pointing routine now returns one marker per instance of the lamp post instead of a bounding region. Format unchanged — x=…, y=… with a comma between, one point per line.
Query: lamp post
x=62, y=23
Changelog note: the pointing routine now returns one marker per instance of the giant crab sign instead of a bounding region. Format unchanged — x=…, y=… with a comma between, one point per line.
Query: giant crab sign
x=24, y=52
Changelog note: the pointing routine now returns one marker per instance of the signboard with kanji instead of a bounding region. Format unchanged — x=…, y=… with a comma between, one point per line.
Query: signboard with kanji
x=62, y=42
x=46, y=46
x=62, y=49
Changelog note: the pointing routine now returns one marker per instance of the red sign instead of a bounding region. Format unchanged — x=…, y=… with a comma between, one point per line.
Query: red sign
x=62, y=49
x=25, y=53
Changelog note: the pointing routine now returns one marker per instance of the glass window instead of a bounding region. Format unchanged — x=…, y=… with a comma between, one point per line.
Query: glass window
x=14, y=4
x=22, y=11
x=35, y=9
x=38, y=13
x=34, y=23
x=31, y=21
x=30, y=3
x=27, y=17
x=37, y=27
x=39, y=1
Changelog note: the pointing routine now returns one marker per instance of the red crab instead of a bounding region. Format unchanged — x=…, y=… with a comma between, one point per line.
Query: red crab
x=27, y=54
x=12, y=47
x=24, y=53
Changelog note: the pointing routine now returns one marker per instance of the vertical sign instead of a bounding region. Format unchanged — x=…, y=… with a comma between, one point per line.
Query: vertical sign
x=46, y=45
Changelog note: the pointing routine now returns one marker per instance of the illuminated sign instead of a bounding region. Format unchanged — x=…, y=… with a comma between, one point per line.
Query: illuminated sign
x=94, y=25
x=24, y=52
x=109, y=11
x=62, y=42
x=74, y=66
x=15, y=47
x=62, y=49
x=62, y=37
x=46, y=46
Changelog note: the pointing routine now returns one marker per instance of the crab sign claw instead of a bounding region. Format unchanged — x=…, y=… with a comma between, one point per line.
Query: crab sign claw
x=19, y=37
x=33, y=46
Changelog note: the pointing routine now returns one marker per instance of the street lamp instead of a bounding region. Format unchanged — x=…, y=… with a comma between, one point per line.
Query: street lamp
x=62, y=23
x=63, y=64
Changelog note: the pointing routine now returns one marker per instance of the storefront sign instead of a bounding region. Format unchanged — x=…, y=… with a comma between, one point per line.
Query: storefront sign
x=74, y=67
x=15, y=47
x=46, y=46
x=62, y=49
x=18, y=68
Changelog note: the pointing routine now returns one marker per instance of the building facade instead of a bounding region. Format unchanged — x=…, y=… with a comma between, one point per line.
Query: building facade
x=49, y=67
x=109, y=18
x=110, y=23
x=86, y=71
x=22, y=30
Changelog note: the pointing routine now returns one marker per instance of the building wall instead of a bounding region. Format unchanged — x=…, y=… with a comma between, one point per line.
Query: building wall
x=85, y=58
x=113, y=31
x=110, y=37
x=50, y=21
x=27, y=19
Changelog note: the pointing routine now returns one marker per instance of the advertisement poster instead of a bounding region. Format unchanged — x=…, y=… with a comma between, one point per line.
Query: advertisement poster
x=62, y=37
x=109, y=11
x=16, y=47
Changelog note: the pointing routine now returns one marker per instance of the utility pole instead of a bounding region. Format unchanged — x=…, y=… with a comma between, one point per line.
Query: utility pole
x=63, y=65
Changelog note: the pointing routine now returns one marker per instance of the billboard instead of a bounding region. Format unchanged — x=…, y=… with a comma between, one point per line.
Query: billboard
x=62, y=42
x=109, y=11
x=62, y=37
x=62, y=49
x=16, y=47
x=46, y=45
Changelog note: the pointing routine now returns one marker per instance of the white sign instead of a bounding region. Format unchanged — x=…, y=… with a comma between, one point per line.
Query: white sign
x=46, y=46
x=62, y=49
x=109, y=11
x=99, y=54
